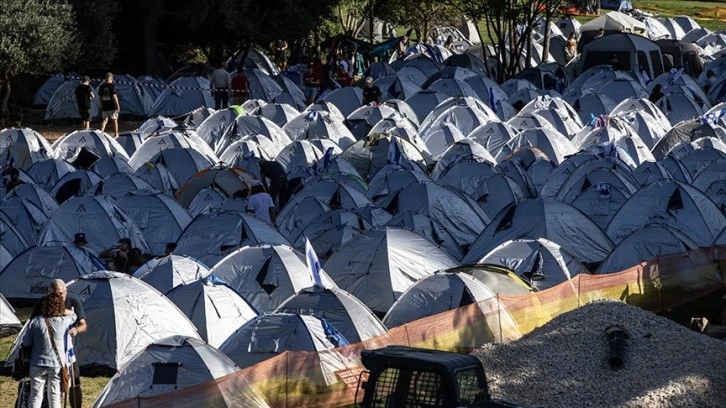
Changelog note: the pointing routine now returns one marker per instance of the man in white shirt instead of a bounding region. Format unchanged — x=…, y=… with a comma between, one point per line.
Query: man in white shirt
x=260, y=204
x=221, y=83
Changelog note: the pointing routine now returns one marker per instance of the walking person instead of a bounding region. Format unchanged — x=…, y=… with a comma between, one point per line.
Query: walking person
x=78, y=326
x=110, y=105
x=84, y=96
x=46, y=335
x=220, y=83
x=240, y=87
x=260, y=204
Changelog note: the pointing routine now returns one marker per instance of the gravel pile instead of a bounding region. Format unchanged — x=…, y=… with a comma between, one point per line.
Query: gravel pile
x=565, y=363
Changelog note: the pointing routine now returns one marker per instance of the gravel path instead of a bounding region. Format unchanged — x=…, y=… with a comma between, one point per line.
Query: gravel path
x=565, y=363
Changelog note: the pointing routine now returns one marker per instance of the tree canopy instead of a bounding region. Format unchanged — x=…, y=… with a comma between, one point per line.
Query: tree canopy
x=37, y=35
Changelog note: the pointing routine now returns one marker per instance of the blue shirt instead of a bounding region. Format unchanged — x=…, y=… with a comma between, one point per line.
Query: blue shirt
x=37, y=335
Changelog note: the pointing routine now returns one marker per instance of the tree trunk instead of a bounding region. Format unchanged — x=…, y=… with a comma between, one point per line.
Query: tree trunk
x=151, y=41
x=546, y=41
x=4, y=100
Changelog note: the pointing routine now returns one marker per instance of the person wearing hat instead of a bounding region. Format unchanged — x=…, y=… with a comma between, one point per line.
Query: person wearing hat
x=371, y=93
x=79, y=240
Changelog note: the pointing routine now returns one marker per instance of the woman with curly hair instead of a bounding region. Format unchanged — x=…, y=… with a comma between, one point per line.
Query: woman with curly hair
x=46, y=360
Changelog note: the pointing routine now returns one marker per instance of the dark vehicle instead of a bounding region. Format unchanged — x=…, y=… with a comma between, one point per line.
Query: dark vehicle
x=402, y=376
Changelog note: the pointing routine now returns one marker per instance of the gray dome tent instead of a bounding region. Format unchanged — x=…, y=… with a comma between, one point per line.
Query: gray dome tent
x=160, y=218
x=633, y=51
x=127, y=316
x=216, y=309
x=435, y=294
x=171, y=364
x=337, y=307
x=28, y=275
x=165, y=274
x=102, y=222
x=539, y=262
x=266, y=275
x=678, y=204
x=9, y=323
x=211, y=237
x=544, y=218
x=25, y=146
x=376, y=266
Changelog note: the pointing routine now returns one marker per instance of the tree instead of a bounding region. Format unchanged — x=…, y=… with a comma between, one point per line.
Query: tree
x=94, y=20
x=419, y=15
x=37, y=35
x=509, y=26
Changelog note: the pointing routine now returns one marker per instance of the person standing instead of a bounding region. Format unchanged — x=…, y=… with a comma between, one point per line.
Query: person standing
x=240, y=87
x=84, y=95
x=312, y=84
x=110, y=106
x=280, y=48
x=571, y=47
x=277, y=186
x=260, y=204
x=63, y=320
x=371, y=93
x=220, y=83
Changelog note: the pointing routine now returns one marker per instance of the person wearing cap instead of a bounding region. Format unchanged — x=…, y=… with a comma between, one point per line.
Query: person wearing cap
x=371, y=93
x=84, y=96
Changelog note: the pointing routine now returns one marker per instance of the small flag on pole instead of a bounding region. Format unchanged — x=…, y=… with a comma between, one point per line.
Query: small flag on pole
x=311, y=258
x=394, y=152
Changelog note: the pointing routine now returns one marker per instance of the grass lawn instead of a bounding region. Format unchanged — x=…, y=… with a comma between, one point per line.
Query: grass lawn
x=92, y=386
x=695, y=9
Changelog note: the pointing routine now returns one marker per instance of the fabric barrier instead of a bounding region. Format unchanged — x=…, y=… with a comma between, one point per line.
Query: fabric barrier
x=330, y=378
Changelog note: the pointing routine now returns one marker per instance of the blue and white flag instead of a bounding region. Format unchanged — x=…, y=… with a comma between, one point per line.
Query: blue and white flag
x=599, y=121
x=327, y=158
x=713, y=117
x=494, y=99
x=311, y=259
x=394, y=152
x=312, y=116
x=675, y=75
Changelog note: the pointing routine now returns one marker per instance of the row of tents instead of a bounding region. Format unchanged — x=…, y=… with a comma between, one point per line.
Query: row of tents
x=424, y=204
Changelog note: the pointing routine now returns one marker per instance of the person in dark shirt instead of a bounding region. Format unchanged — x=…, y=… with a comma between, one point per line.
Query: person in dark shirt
x=312, y=84
x=277, y=186
x=656, y=94
x=73, y=302
x=110, y=106
x=84, y=95
x=371, y=93
x=122, y=257
x=14, y=181
x=343, y=78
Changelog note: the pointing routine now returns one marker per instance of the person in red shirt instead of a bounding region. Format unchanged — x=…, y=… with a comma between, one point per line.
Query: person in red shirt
x=240, y=87
x=343, y=78
x=312, y=84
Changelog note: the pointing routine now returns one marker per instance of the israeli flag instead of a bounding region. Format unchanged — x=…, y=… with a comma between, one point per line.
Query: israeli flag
x=675, y=74
x=312, y=116
x=492, y=100
x=311, y=258
x=713, y=117
x=327, y=158
x=394, y=152
x=69, y=349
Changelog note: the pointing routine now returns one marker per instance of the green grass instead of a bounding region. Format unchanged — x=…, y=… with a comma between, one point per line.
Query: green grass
x=92, y=386
x=671, y=8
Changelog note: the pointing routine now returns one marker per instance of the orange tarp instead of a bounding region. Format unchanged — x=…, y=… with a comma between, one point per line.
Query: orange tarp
x=328, y=378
